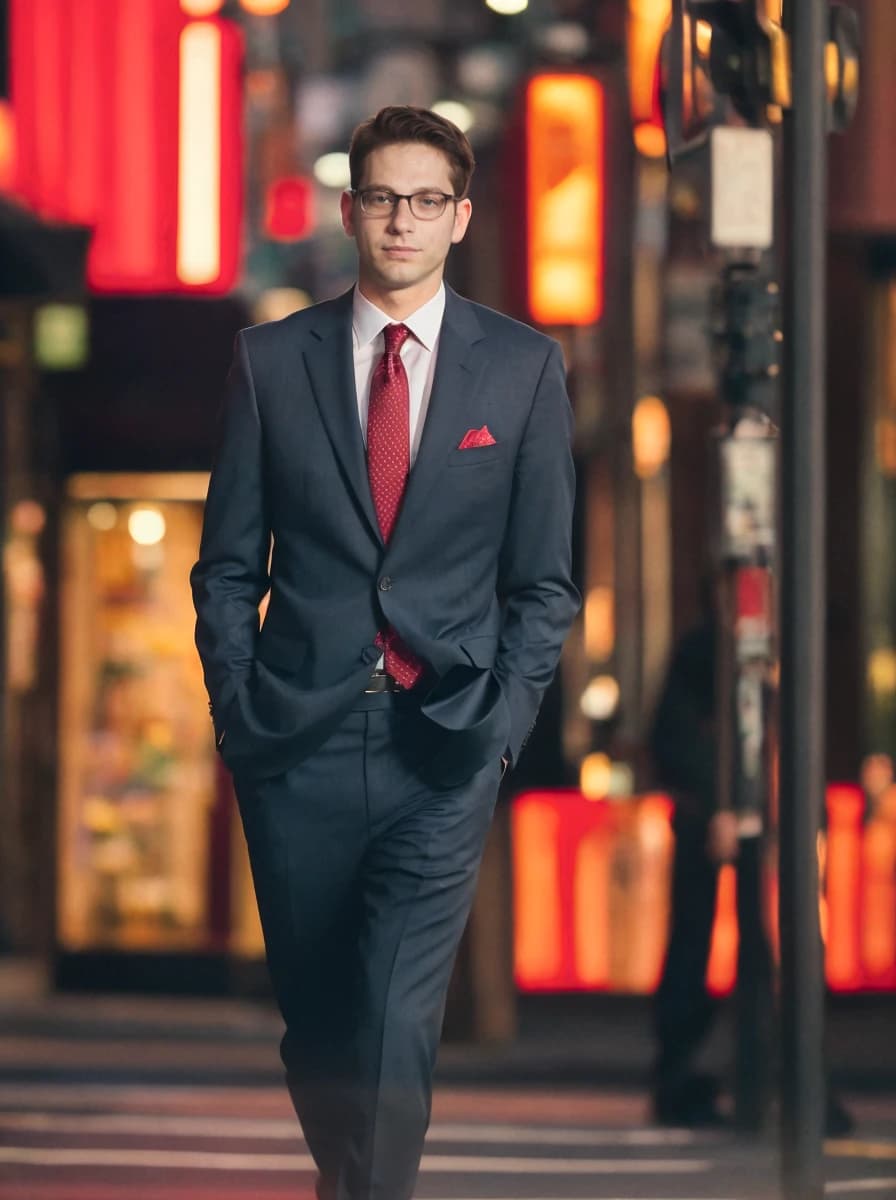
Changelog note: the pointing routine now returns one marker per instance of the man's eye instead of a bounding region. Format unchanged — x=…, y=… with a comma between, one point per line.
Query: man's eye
x=379, y=198
x=428, y=200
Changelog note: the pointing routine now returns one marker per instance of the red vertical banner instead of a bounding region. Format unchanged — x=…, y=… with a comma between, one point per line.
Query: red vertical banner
x=843, y=871
x=231, y=149
x=90, y=46
x=101, y=126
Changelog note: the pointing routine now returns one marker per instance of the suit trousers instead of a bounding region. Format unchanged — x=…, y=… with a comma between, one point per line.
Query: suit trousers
x=364, y=872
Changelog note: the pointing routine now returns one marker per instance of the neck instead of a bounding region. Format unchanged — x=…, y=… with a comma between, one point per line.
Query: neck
x=399, y=304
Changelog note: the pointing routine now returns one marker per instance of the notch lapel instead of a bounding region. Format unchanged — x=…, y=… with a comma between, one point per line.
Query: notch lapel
x=329, y=361
x=453, y=396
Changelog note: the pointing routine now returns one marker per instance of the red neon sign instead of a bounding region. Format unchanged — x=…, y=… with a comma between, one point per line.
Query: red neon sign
x=128, y=119
x=591, y=895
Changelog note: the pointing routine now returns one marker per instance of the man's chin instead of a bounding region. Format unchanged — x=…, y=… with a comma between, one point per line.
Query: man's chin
x=401, y=274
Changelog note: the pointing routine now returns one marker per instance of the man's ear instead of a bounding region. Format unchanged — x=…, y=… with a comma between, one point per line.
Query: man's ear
x=462, y=213
x=347, y=212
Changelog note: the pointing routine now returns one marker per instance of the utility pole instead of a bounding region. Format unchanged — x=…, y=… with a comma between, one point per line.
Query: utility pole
x=803, y=612
x=732, y=73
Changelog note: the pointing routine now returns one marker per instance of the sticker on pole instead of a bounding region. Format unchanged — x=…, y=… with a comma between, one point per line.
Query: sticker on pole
x=742, y=188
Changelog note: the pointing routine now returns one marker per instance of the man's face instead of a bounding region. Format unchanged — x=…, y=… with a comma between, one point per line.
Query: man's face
x=401, y=252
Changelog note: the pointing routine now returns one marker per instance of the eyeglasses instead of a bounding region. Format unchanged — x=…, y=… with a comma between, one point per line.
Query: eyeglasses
x=381, y=202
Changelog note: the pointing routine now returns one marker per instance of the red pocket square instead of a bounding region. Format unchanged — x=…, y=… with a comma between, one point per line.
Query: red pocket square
x=477, y=437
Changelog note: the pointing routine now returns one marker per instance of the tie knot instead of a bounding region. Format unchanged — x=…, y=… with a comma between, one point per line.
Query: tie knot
x=395, y=336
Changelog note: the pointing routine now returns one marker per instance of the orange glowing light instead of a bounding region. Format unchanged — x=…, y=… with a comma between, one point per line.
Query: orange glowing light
x=592, y=879
x=650, y=139
x=537, y=891
x=595, y=775
x=201, y=8
x=722, y=969
x=7, y=147
x=647, y=21
x=843, y=870
x=600, y=622
x=588, y=873
x=264, y=8
x=651, y=436
x=879, y=902
x=565, y=185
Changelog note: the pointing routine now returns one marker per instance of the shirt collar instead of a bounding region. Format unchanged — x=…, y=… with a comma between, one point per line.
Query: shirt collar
x=368, y=321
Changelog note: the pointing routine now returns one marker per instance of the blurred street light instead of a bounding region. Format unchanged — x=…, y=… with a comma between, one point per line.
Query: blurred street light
x=453, y=110
x=507, y=8
x=264, y=8
x=146, y=526
x=332, y=170
x=201, y=8
x=651, y=436
x=600, y=699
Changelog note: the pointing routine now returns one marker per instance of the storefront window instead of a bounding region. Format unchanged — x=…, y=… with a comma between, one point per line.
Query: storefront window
x=140, y=788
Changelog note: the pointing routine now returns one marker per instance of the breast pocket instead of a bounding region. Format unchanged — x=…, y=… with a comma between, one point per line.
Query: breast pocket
x=476, y=456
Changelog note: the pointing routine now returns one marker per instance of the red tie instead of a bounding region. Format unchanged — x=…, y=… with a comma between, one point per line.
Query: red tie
x=388, y=463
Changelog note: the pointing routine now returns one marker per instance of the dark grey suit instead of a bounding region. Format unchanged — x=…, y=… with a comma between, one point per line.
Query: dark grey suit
x=365, y=816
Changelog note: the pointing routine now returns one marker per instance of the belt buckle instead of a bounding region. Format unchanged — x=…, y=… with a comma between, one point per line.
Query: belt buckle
x=381, y=681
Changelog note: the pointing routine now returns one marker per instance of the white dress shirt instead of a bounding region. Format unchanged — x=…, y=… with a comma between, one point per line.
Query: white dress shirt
x=418, y=355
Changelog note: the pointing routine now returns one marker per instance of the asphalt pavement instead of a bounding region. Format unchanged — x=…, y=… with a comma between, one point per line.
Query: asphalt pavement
x=132, y=1098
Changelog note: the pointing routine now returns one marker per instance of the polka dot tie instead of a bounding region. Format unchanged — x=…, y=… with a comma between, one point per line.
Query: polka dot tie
x=388, y=463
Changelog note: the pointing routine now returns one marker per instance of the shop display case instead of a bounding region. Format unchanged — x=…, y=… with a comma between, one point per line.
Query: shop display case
x=150, y=856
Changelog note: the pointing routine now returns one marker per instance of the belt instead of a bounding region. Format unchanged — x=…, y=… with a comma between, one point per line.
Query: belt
x=380, y=681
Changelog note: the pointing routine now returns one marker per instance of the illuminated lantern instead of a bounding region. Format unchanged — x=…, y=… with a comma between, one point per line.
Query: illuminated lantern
x=565, y=199
x=128, y=118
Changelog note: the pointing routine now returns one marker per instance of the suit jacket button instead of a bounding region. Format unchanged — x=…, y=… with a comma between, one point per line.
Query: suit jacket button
x=385, y=583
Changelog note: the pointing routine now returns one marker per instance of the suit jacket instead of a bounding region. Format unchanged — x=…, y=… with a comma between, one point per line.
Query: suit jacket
x=475, y=578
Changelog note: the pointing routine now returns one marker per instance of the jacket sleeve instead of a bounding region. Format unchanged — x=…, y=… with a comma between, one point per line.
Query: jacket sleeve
x=535, y=585
x=231, y=575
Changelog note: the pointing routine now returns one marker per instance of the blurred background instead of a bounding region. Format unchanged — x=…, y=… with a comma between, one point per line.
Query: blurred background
x=170, y=171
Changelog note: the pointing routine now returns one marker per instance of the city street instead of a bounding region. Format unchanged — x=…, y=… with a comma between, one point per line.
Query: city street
x=113, y=1098
x=105, y=1142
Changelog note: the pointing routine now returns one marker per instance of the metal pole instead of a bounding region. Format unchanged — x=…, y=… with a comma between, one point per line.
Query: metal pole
x=803, y=610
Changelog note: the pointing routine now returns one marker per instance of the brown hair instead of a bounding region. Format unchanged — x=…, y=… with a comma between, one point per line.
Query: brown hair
x=402, y=123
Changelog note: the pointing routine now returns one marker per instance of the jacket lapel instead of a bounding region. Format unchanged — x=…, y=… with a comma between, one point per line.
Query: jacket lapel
x=329, y=361
x=453, y=397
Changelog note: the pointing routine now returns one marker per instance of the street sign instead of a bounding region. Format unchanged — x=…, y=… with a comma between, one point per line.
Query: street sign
x=742, y=200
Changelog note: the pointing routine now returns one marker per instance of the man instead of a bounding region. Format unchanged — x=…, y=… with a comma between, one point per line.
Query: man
x=419, y=597
x=683, y=746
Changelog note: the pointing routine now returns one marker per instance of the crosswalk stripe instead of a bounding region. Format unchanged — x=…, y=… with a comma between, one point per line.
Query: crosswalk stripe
x=47, y=1156
x=276, y=1129
x=861, y=1185
x=852, y=1148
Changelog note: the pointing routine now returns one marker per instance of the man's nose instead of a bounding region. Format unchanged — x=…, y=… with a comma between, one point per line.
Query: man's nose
x=402, y=217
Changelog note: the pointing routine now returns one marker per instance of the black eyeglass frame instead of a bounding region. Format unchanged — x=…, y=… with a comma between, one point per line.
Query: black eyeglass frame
x=397, y=197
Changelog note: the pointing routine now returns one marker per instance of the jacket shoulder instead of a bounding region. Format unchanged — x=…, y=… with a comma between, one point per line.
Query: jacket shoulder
x=296, y=326
x=498, y=324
